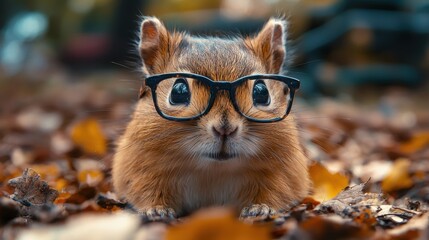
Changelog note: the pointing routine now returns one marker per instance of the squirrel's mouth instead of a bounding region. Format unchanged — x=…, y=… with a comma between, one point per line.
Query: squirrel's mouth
x=220, y=156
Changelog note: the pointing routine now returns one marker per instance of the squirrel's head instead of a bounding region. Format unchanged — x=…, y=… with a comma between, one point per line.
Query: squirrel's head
x=222, y=133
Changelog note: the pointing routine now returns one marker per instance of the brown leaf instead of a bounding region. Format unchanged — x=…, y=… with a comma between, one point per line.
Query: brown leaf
x=398, y=177
x=332, y=228
x=87, y=135
x=30, y=189
x=326, y=185
x=310, y=203
x=353, y=196
x=215, y=224
x=109, y=203
x=82, y=195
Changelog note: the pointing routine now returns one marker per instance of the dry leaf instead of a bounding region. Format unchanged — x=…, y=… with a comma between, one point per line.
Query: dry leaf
x=347, y=202
x=47, y=171
x=398, y=177
x=416, y=143
x=326, y=185
x=217, y=223
x=36, y=119
x=418, y=223
x=374, y=170
x=82, y=195
x=332, y=227
x=60, y=184
x=109, y=203
x=62, y=198
x=90, y=177
x=30, y=189
x=22, y=156
x=87, y=135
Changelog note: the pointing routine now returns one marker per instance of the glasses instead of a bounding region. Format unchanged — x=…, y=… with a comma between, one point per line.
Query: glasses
x=186, y=96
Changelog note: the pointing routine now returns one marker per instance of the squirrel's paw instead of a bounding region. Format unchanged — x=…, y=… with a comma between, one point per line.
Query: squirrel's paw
x=257, y=212
x=158, y=213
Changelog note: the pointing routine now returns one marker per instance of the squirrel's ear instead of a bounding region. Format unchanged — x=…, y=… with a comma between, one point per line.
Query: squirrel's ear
x=153, y=42
x=270, y=44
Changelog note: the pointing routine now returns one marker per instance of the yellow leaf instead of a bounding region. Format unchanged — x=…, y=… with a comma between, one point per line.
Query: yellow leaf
x=326, y=185
x=398, y=177
x=87, y=135
x=60, y=184
x=217, y=223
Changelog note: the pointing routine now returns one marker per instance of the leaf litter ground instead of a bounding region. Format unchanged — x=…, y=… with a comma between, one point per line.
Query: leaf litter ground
x=370, y=168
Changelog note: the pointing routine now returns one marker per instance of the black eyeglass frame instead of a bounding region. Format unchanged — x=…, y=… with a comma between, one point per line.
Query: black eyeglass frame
x=216, y=86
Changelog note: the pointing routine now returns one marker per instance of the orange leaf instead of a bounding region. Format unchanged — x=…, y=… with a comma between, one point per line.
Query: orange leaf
x=217, y=223
x=47, y=171
x=60, y=184
x=87, y=135
x=416, y=143
x=326, y=185
x=62, y=198
x=398, y=177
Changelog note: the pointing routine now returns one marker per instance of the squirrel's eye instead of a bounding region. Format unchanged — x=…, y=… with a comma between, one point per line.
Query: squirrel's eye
x=180, y=93
x=261, y=95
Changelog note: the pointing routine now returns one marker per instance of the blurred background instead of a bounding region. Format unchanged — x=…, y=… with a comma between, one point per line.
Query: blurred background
x=335, y=45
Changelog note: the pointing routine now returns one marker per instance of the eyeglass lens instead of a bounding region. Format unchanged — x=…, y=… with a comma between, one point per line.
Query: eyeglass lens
x=261, y=99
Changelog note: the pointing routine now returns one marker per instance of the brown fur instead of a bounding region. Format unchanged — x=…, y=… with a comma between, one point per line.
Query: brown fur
x=158, y=161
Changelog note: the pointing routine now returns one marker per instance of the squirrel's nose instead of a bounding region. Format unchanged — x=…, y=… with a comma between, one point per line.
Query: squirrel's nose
x=224, y=130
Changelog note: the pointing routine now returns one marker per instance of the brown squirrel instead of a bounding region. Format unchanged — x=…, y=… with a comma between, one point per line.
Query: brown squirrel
x=171, y=168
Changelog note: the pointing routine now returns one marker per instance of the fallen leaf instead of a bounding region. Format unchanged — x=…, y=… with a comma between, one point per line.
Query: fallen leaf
x=310, y=203
x=47, y=171
x=87, y=135
x=109, y=203
x=217, y=223
x=326, y=185
x=62, y=197
x=61, y=143
x=30, y=189
x=417, y=142
x=90, y=177
x=374, y=170
x=418, y=223
x=82, y=195
x=22, y=156
x=347, y=202
x=60, y=184
x=332, y=227
x=366, y=217
x=398, y=177
x=36, y=119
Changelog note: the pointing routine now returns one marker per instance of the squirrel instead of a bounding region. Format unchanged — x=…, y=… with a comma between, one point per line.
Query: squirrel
x=160, y=166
